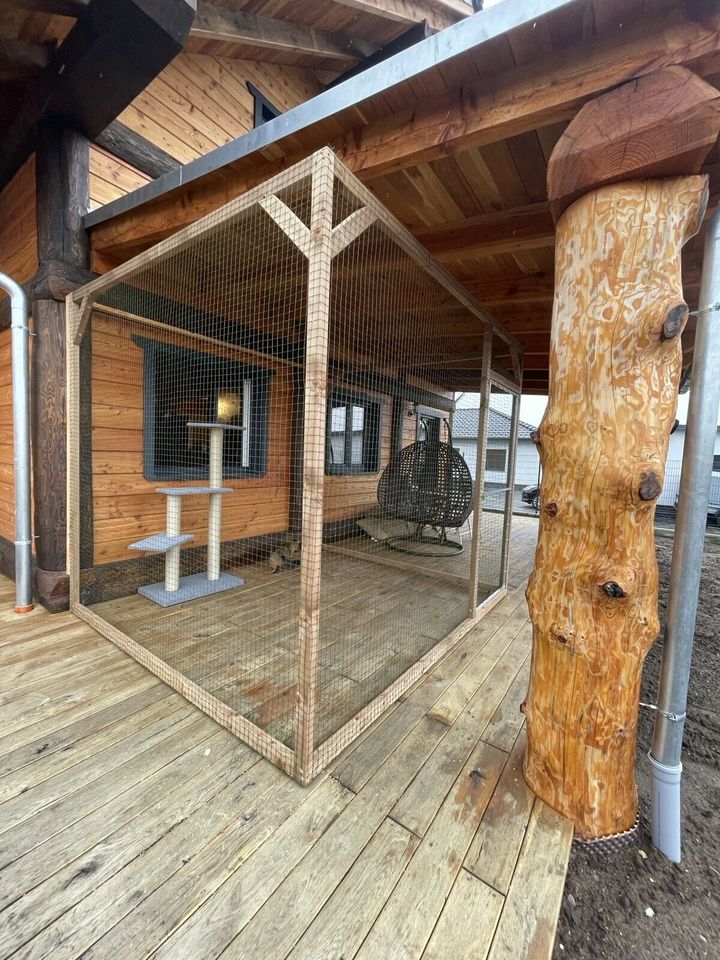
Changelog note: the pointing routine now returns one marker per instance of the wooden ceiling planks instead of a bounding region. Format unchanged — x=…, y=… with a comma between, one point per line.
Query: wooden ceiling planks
x=470, y=177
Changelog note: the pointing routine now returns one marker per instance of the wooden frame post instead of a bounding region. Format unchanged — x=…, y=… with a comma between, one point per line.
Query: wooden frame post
x=319, y=252
x=479, y=492
x=510, y=495
x=72, y=375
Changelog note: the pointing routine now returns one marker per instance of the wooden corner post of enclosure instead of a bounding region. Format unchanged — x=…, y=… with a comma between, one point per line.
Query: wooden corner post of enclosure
x=76, y=318
x=319, y=243
x=479, y=490
x=622, y=182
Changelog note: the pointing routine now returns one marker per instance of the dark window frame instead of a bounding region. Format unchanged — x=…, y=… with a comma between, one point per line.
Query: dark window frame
x=264, y=110
x=372, y=433
x=428, y=413
x=259, y=412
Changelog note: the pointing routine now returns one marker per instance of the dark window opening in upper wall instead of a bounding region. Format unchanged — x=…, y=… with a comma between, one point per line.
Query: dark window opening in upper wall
x=264, y=109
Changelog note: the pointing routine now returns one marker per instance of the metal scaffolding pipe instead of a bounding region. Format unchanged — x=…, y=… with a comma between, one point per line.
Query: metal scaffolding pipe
x=21, y=443
x=665, y=765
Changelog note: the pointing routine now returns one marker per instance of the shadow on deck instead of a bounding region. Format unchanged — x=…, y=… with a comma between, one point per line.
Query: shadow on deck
x=132, y=825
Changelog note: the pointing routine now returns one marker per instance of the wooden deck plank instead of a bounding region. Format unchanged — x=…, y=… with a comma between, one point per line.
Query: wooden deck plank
x=209, y=928
x=532, y=906
x=494, y=851
x=467, y=924
x=418, y=804
x=129, y=833
x=343, y=923
x=306, y=890
x=407, y=921
x=81, y=754
x=65, y=738
x=147, y=898
x=73, y=808
x=86, y=888
x=98, y=766
x=85, y=849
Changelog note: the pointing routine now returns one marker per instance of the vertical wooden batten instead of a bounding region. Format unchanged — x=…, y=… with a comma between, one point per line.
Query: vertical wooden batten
x=621, y=180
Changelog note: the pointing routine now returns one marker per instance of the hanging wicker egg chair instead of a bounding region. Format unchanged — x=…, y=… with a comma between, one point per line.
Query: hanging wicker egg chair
x=429, y=484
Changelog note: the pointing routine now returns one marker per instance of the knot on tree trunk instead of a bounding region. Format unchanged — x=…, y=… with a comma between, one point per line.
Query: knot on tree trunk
x=675, y=321
x=650, y=485
x=613, y=589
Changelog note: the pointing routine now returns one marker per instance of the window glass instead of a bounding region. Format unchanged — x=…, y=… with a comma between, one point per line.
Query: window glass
x=358, y=433
x=338, y=420
x=185, y=386
x=353, y=434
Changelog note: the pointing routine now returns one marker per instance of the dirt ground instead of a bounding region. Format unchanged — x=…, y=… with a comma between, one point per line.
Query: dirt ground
x=636, y=904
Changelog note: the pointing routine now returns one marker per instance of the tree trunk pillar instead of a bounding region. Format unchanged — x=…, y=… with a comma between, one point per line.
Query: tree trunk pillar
x=615, y=364
x=63, y=248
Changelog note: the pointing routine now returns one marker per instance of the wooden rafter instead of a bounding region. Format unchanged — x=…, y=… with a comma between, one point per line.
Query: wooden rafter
x=517, y=101
x=113, y=49
x=438, y=13
x=522, y=99
x=62, y=8
x=503, y=231
x=135, y=149
x=242, y=27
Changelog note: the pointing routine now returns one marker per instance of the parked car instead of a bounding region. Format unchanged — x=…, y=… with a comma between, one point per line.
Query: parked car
x=531, y=495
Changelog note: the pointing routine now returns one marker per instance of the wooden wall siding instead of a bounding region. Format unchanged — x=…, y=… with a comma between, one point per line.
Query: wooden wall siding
x=200, y=102
x=18, y=245
x=111, y=178
x=7, y=488
x=126, y=506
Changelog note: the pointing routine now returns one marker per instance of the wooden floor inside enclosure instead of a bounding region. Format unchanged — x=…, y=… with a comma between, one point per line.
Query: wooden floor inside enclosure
x=132, y=826
x=381, y=611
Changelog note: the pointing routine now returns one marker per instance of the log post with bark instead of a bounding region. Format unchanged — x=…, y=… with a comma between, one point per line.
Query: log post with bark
x=621, y=180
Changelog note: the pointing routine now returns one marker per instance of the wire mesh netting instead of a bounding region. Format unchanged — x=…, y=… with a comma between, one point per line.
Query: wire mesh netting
x=271, y=507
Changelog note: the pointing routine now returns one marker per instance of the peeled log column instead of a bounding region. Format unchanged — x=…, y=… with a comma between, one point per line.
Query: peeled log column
x=614, y=370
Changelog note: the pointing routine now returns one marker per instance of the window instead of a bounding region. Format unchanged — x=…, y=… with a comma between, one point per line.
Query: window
x=428, y=427
x=181, y=386
x=495, y=460
x=264, y=110
x=353, y=434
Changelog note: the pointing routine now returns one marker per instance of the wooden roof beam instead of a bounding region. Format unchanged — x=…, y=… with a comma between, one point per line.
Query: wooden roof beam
x=490, y=234
x=114, y=49
x=522, y=99
x=242, y=27
x=131, y=147
x=542, y=92
x=438, y=13
x=513, y=288
x=61, y=8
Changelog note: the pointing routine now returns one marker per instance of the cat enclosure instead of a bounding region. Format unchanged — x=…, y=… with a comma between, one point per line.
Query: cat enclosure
x=265, y=505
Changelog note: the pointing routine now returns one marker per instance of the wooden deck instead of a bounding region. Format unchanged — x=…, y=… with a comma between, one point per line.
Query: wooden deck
x=381, y=611
x=132, y=826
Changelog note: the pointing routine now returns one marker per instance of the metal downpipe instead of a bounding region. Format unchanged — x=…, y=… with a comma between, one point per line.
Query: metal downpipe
x=21, y=443
x=665, y=765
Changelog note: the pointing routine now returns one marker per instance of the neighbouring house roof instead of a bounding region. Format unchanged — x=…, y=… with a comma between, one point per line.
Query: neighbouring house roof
x=465, y=424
